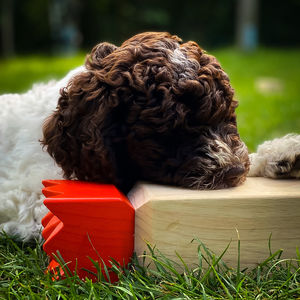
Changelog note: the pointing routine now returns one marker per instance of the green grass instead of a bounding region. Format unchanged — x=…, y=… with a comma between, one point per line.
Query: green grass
x=22, y=276
x=261, y=115
x=18, y=74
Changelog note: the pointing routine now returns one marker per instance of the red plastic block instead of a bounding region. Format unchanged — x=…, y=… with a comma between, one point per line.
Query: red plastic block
x=87, y=220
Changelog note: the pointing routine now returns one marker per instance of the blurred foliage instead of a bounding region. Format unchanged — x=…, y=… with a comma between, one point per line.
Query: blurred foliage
x=279, y=22
x=32, y=32
x=211, y=23
x=262, y=114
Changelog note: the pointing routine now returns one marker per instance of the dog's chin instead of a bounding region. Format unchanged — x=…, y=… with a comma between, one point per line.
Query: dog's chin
x=214, y=182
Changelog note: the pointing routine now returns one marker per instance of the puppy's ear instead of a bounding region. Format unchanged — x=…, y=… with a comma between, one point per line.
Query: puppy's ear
x=100, y=51
x=83, y=133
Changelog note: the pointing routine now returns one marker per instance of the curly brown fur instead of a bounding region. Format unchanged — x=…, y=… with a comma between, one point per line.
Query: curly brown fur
x=153, y=109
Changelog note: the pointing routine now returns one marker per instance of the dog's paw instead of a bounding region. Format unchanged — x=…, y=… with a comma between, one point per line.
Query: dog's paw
x=284, y=168
x=279, y=158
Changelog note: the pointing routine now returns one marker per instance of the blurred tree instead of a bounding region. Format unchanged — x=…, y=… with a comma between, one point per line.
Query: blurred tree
x=63, y=20
x=279, y=22
x=31, y=23
x=246, y=25
x=7, y=27
x=33, y=26
x=209, y=22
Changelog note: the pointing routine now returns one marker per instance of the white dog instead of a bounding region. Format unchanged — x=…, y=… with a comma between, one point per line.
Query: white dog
x=24, y=164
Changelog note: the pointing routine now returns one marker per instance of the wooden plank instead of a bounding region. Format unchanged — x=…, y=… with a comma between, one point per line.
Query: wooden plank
x=171, y=218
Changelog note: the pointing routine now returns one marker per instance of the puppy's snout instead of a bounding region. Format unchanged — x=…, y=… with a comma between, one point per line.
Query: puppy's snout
x=234, y=172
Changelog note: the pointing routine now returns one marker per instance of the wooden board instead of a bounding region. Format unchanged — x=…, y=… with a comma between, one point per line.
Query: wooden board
x=171, y=218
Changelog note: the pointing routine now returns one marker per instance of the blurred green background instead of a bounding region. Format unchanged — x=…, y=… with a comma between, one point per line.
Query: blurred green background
x=257, y=43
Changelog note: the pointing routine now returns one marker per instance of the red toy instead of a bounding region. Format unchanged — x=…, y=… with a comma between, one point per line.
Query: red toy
x=87, y=220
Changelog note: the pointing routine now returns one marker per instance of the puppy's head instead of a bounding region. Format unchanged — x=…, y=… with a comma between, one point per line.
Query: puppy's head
x=153, y=109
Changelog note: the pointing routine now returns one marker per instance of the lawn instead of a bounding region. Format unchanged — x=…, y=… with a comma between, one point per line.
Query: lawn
x=267, y=85
x=22, y=277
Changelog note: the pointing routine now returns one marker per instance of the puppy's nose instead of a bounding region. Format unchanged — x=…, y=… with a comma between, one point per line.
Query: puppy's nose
x=234, y=172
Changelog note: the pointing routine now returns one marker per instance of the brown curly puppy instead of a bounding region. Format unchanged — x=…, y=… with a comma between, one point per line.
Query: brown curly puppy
x=153, y=109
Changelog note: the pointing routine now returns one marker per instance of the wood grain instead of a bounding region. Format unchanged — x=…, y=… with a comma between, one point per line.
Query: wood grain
x=171, y=218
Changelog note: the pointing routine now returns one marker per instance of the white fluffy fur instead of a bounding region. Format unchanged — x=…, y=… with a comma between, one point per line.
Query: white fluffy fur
x=266, y=161
x=23, y=163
